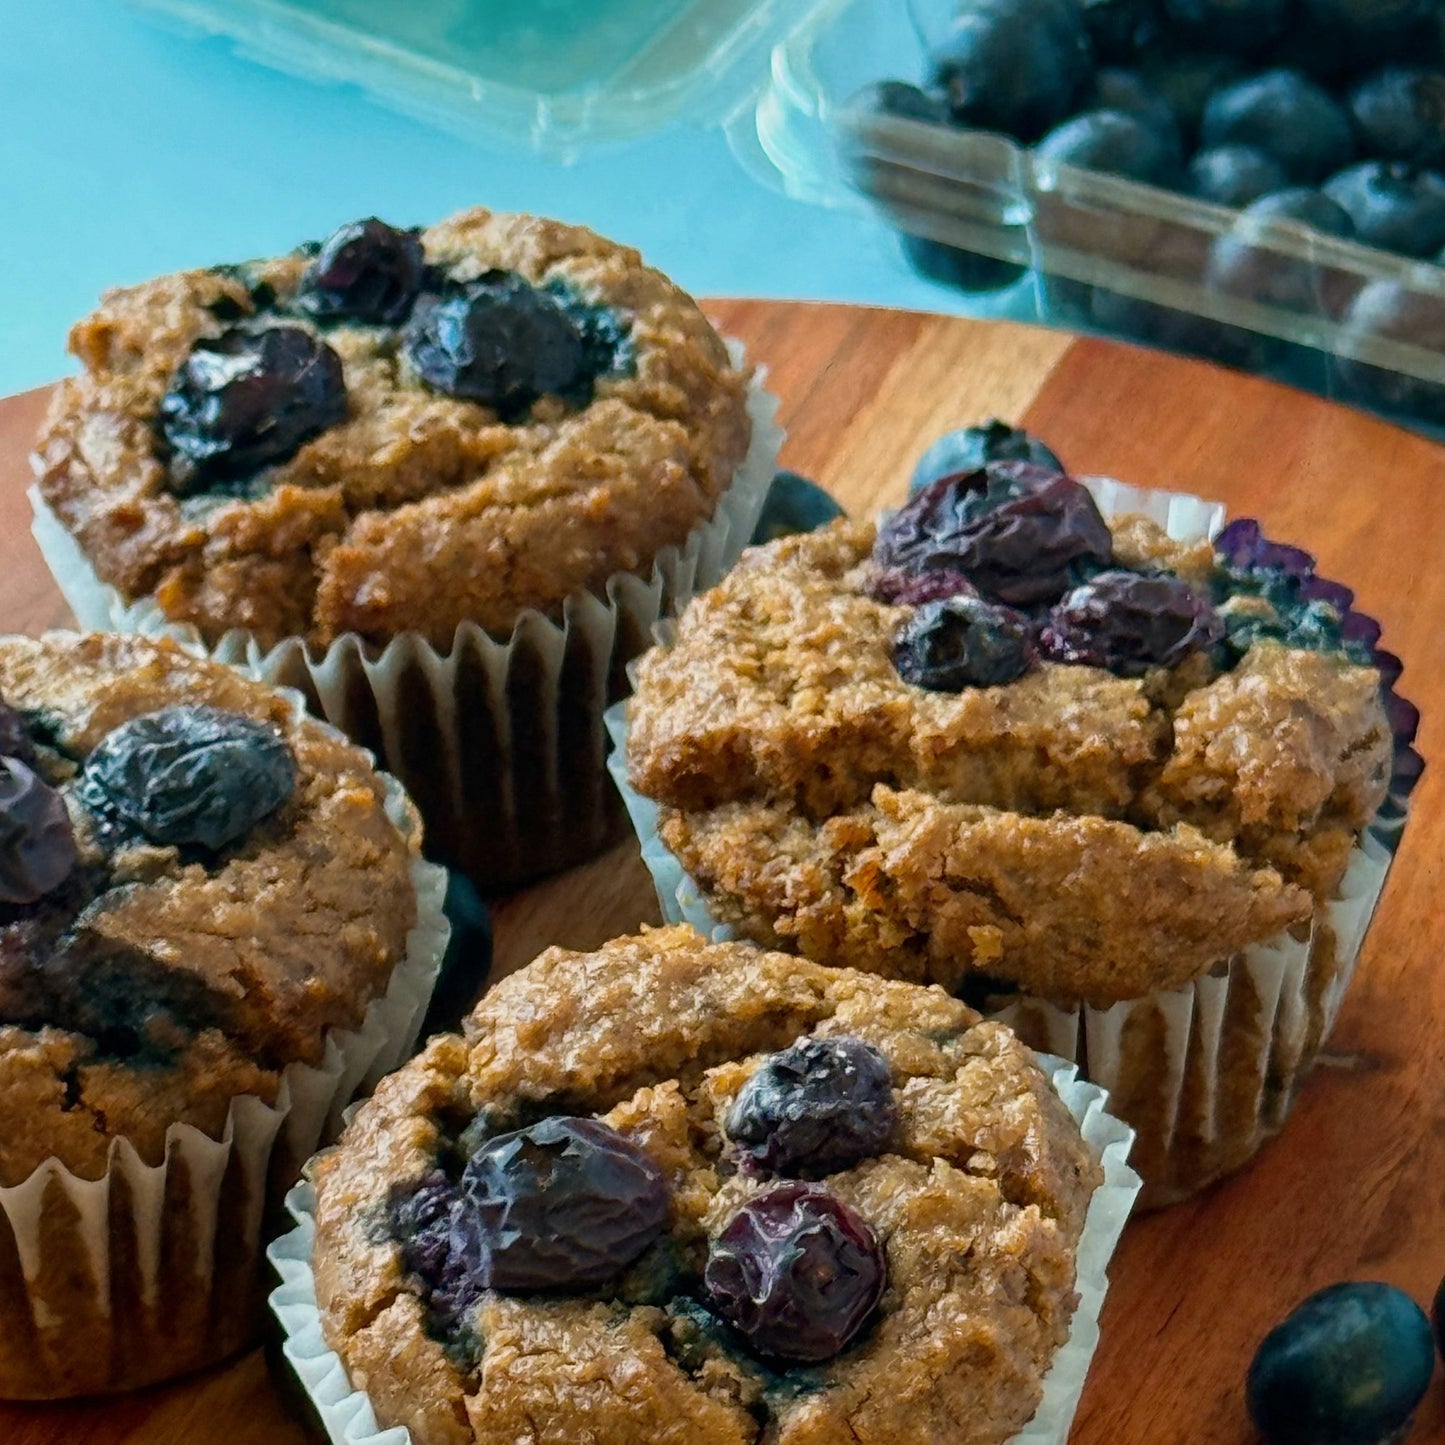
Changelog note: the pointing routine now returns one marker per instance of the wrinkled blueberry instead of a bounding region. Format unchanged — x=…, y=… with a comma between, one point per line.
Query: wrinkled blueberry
x=1022, y=534
x=796, y=1272
x=442, y=1243
x=1348, y=1367
x=188, y=776
x=1011, y=68
x=903, y=588
x=794, y=504
x=1128, y=623
x=1241, y=26
x=1287, y=116
x=1114, y=143
x=962, y=642
x=563, y=1204
x=963, y=270
x=1127, y=92
x=37, y=847
x=822, y=1105
x=467, y=961
x=1395, y=206
x=1186, y=78
x=902, y=101
x=1233, y=175
x=14, y=735
x=971, y=447
x=1116, y=27
x=1400, y=114
x=246, y=400
x=1398, y=311
x=367, y=271
x=497, y=341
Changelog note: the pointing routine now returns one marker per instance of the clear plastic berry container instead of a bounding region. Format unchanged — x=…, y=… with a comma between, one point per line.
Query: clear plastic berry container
x=1084, y=250
x=556, y=76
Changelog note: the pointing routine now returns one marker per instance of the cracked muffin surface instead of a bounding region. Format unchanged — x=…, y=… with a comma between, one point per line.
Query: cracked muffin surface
x=199, y=940
x=1104, y=821
x=501, y=411
x=974, y=1187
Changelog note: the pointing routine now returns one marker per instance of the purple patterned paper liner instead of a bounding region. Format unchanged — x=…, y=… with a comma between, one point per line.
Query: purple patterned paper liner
x=1244, y=544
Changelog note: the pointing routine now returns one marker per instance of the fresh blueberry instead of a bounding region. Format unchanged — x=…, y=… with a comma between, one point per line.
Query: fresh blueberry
x=246, y=400
x=1348, y=1367
x=1127, y=92
x=368, y=272
x=794, y=504
x=1233, y=175
x=1394, y=206
x=1287, y=116
x=1011, y=68
x=902, y=101
x=1022, y=534
x=961, y=642
x=797, y=1273
x=963, y=270
x=1116, y=27
x=37, y=847
x=467, y=961
x=972, y=447
x=1411, y=314
x=1364, y=19
x=1400, y=114
x=1309, y=207
x=563, y=1204
x=822, y=1105
x=1241, y=26
x=1128, y=623
x=498, y=341
x=187, y=776
x=1114, y=143
x=1186, y=78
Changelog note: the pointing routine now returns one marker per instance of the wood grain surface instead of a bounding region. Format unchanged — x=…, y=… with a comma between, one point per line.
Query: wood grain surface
x=1355, y=1187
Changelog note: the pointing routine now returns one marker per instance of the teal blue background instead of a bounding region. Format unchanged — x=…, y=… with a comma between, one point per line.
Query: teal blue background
x=128, y=149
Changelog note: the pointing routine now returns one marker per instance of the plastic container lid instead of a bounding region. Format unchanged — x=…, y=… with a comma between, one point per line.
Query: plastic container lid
x=555, y=75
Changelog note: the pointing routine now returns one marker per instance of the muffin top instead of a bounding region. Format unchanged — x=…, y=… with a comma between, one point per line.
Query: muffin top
x=196, y=884
x=1000, y=736
x=679, y=1191
x=396, y=431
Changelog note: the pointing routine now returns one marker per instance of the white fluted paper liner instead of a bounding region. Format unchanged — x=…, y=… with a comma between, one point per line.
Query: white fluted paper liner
x=1159, y=1056
x=499, y=741
x=261, y=1149
x=348, y=1419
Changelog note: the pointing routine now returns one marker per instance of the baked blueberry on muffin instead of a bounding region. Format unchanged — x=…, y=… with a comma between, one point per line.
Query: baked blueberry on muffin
x=201, y=893
x=434, y=439
x=676, y=1190
x=1038, y=756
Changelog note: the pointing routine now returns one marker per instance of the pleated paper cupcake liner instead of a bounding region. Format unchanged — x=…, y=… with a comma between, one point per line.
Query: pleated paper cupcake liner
x=154, y=1270
x=1205, y=1074
x=499, y=740
x=348, y=1419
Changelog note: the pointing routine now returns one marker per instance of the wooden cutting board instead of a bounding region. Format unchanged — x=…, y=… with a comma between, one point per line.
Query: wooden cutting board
x=1355, y=1187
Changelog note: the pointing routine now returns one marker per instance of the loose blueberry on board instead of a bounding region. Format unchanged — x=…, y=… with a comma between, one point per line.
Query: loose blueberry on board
x=37, y=847
x=1186, y=78
x=961, y=642
x=368, y=272
x=1233, y=175
x=1011, y=68
x=467, y=961
x=246, y=400
x=1400, y=114
x=794, y=504
x=902, y=101
x=1395, y=206
x=1022, y=534
x=498, y=341
x=968, y=448
x=1114, y=143
x=822, y=1105
x=187, y=776
x=1243, y=27
x=1128, y=623
x=1437, y=1316
x=563, y=1204
x=1287, y=116
x=797, y=1273
x=1347, y=1367
x=963, y=270
x=1127, y=92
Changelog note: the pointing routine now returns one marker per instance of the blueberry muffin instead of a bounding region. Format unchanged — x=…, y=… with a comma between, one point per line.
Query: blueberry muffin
x=449, y=440
x=1003, y=744
x=200, y=889
x=676, y=1191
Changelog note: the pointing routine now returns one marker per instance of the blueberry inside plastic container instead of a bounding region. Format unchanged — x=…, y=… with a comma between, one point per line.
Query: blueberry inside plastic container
x=1034, y=238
